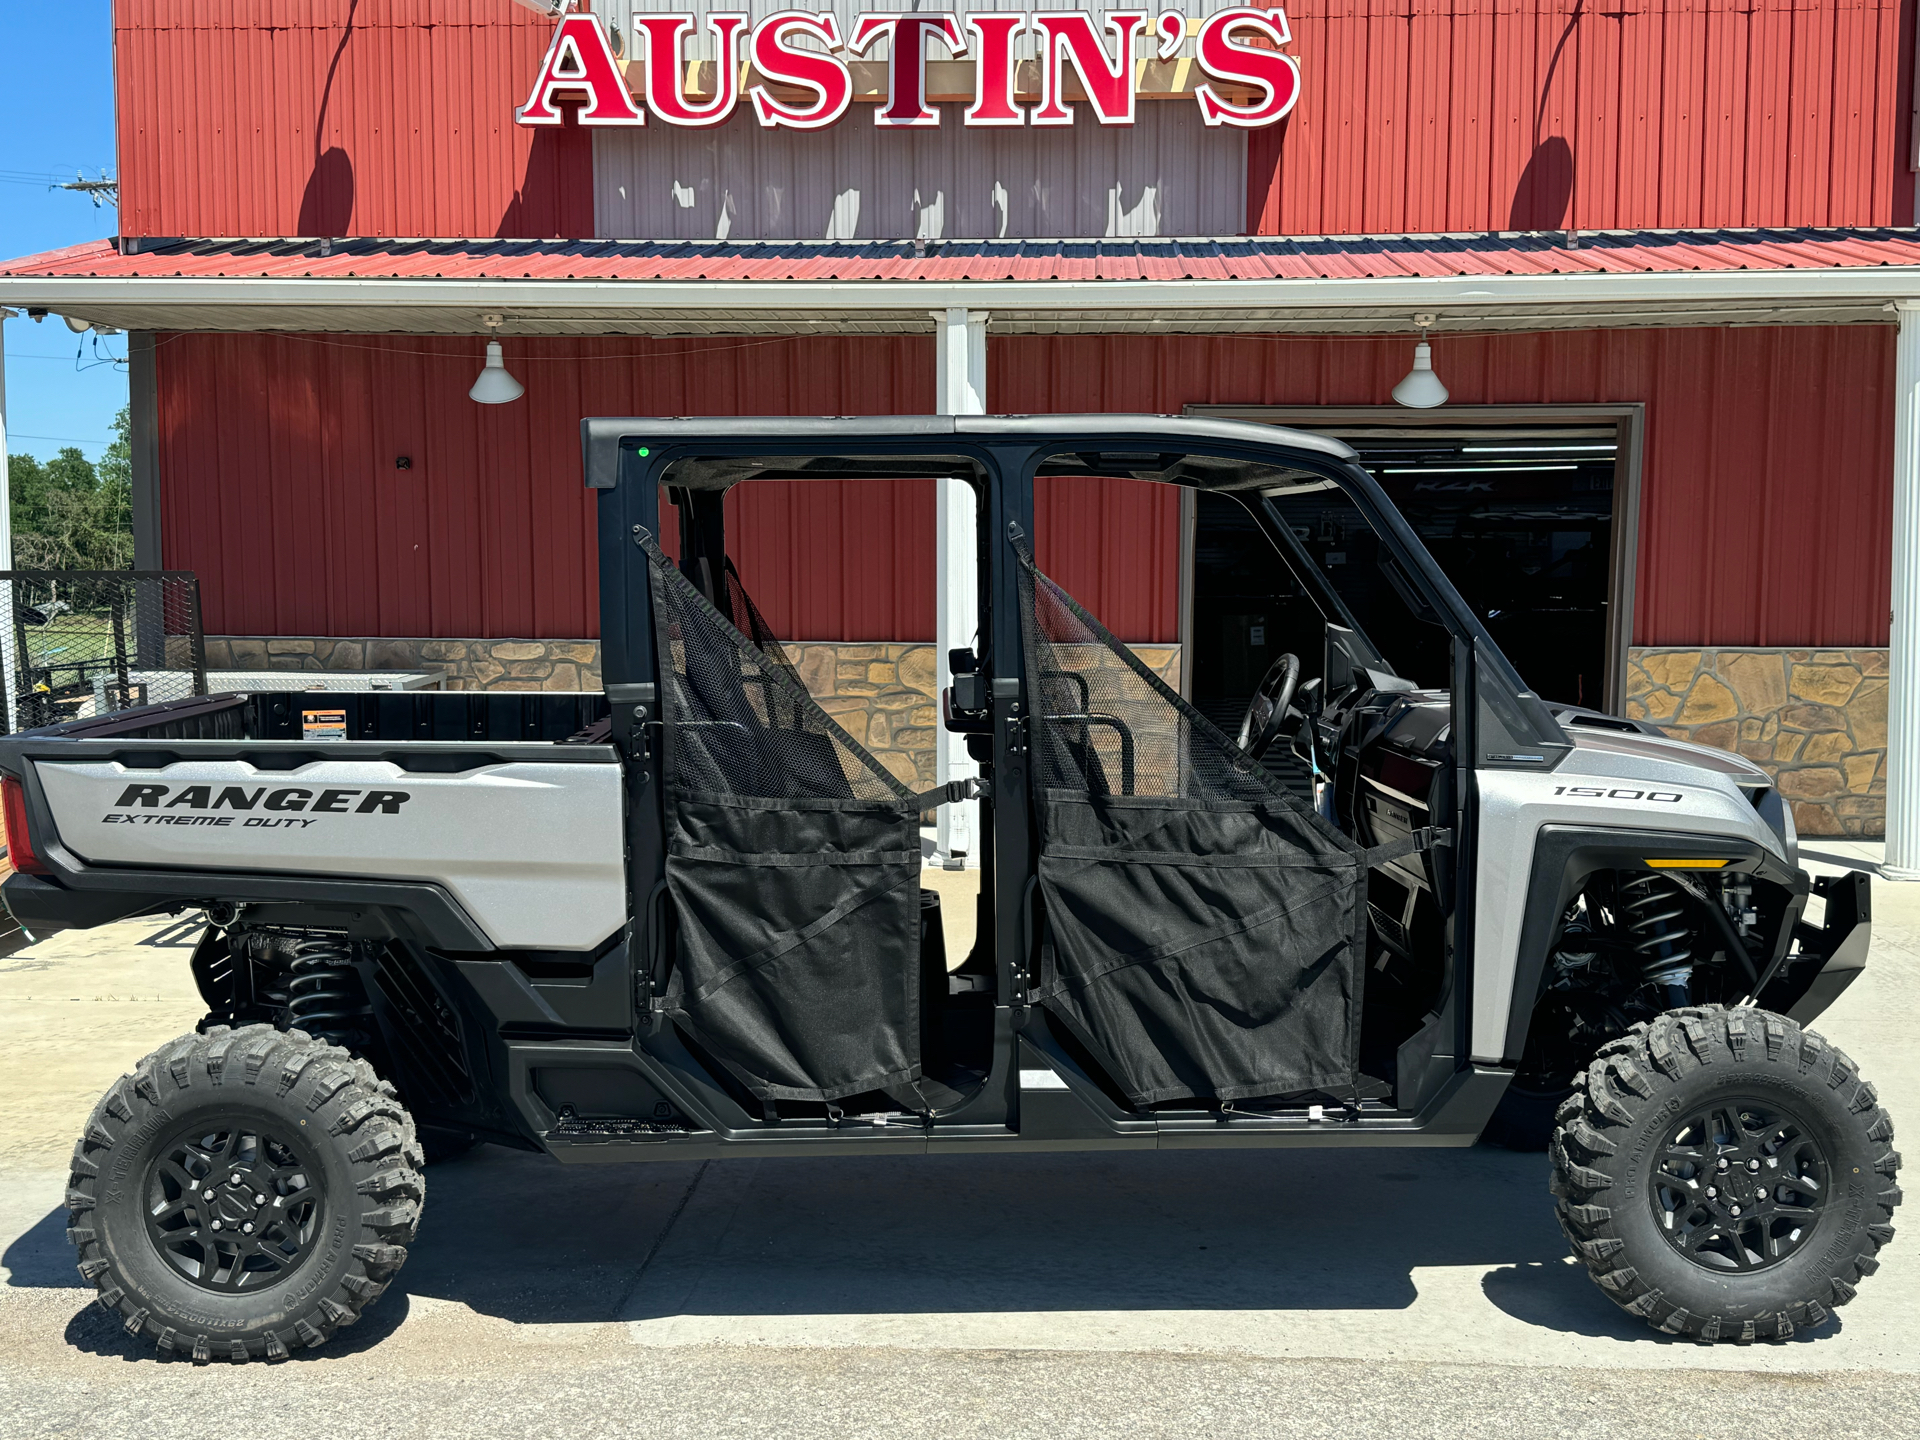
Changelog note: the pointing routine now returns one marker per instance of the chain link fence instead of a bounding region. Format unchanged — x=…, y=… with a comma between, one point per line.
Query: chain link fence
x=78, y=643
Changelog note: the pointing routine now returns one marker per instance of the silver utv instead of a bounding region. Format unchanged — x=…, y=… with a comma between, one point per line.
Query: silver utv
x=1403, y=901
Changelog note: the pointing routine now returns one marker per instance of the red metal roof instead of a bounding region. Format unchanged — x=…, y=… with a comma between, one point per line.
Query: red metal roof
x=1254, y=258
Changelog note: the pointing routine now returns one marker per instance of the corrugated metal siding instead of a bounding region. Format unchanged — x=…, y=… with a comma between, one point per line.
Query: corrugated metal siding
x=1766, y=497
x=838, y=560
x=278, y=486
x=1167, y=175
x=277, y=117
x=1115, y=546
x=278, y=482
x=1470, y=115
x=272, y=117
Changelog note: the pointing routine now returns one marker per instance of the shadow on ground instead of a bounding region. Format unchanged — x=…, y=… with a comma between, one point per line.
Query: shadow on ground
x=525, y=1239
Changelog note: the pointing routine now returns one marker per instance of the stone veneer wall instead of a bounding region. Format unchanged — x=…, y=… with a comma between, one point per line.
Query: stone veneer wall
x=880, y=692
x=1816, y=720
x=467, y=664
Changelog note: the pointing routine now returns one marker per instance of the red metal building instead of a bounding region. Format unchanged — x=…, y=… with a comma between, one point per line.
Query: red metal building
x=1678, y=233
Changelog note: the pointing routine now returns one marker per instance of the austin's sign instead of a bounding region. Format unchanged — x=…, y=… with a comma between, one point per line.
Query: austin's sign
x=796, y=69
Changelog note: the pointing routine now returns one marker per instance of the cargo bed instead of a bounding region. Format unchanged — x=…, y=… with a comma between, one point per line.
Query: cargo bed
x=473, y=820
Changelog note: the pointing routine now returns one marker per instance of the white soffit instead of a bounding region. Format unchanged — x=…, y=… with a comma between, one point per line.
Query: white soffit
x=601, y=307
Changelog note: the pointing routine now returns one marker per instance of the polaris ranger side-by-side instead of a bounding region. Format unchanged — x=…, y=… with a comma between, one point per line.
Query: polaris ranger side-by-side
x=1409, y=903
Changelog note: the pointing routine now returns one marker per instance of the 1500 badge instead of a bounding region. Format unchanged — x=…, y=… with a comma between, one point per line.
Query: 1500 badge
x=192, y=805
x=1617, y=793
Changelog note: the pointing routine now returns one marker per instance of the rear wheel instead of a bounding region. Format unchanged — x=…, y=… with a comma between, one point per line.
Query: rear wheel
x=244, y=1192
x=1725, y=1174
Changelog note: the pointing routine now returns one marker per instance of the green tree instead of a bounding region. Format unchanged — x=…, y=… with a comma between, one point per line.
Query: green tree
x=27, y=489
x=116, y=465
x=69, y=514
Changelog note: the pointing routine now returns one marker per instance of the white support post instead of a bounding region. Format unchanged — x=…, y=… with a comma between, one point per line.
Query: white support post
x=960, y=384
x=1903, y=858
x=6, y=544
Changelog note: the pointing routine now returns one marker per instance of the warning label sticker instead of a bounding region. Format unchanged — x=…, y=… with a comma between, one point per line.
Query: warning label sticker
x=323, y=725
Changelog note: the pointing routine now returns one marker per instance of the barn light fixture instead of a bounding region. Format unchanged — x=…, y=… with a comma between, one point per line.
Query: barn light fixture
x=1421, y=388
x=495, y=384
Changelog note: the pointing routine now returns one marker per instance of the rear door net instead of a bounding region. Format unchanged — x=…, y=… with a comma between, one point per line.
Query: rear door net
x=793, y=862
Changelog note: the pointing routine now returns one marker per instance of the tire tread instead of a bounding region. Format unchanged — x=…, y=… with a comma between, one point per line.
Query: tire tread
x=1607, y=1099
x=385, y=1163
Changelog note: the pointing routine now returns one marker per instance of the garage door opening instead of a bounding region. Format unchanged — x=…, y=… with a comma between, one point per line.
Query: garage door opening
x=1523, y=515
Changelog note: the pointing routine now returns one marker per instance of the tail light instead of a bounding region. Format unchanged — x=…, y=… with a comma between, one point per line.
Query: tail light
x=13, y=799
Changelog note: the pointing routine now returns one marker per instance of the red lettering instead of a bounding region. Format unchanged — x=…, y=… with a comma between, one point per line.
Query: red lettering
x=906, y=105
x=1109, y=84
x=825, y=75
x=580, y=59
x=993, y=45
x=1277, y=76
x=660, y=37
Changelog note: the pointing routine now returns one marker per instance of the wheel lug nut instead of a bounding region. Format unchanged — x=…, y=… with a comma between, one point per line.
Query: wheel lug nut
x=1722, y=1164
x=235, y=1178
x=206, y=1195
x=1712, y=1191
x=1754, y=1165
x=247, y=1226
x=1734, y=1210
x=258, y=1199
x=216, y=1225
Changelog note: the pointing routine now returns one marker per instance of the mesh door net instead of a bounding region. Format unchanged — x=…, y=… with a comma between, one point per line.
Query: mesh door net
x=1204, y=930
x=793, y=860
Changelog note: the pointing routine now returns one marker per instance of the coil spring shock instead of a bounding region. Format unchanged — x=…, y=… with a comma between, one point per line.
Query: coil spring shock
x=324, y=995
x=1654, y=906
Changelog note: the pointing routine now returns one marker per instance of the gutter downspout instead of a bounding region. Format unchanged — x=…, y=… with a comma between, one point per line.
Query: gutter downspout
x=1902, y=861
x=960, y=388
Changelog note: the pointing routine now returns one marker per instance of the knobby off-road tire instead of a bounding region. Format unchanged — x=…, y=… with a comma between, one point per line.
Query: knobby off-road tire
x=244, y=1192
x=1777, y=1122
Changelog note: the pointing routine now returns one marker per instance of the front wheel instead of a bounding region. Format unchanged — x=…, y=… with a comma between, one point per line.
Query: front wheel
x=244, y=1192
x=1724, y=1174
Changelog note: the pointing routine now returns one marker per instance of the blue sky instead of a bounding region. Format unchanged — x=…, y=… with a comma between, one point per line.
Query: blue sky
x=56, y=118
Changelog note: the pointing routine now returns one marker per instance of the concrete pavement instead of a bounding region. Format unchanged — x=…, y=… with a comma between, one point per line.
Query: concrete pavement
x=1281, y=1293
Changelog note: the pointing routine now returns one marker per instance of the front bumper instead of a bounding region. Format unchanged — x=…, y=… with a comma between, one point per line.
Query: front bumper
x=1827, y=958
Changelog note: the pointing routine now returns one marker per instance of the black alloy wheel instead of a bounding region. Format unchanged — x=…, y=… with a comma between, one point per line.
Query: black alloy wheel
x=244, y=1193
x=234, y=1208
x=1724, y=1174
x=1740, y=1185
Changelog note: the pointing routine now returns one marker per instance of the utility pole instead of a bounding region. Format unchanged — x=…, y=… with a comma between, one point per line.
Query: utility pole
x=101, y=192
x=7, y=658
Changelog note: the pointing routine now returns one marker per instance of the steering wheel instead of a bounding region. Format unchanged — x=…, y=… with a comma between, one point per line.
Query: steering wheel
x=1267, y=712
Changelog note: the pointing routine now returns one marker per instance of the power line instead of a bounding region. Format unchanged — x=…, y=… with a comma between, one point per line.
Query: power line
x=53, y=172
x=102, y=191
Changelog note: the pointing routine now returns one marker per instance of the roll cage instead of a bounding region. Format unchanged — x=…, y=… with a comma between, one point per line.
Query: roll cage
x=1495, y=721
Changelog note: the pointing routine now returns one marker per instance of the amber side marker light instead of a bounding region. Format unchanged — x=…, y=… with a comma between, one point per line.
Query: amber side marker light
x=13, y=801
x=1696, y=863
